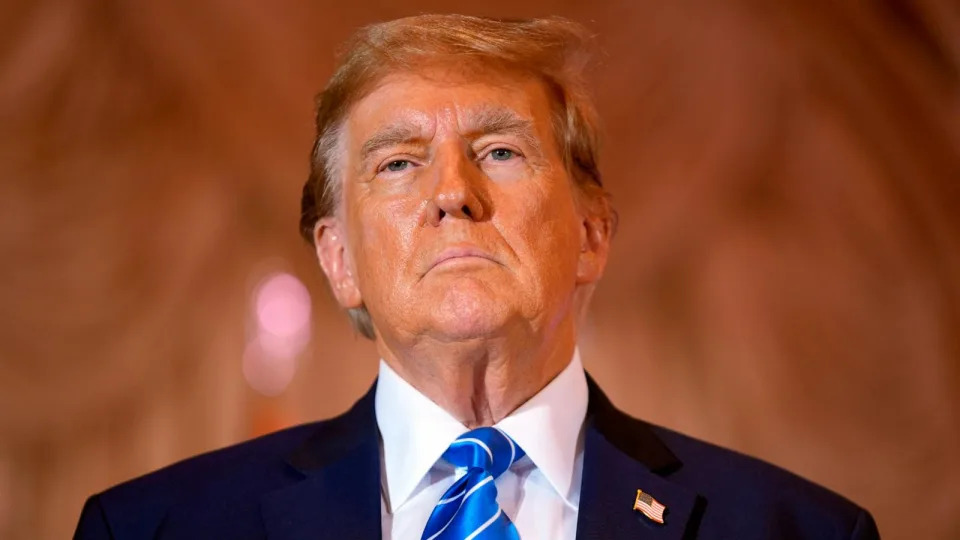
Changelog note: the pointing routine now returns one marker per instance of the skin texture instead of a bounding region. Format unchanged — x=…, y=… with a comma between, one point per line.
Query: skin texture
x=460, y=230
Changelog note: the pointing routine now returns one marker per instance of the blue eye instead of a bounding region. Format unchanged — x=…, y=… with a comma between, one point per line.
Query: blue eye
x=502, y=154
x=397, y=165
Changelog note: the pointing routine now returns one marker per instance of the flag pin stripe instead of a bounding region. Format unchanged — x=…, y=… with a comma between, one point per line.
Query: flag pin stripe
x=649, y=506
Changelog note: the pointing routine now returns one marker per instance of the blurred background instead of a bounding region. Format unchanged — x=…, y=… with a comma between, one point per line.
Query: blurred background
x=785, y=281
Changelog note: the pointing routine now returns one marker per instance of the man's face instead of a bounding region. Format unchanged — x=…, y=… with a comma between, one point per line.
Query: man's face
x=458, y=218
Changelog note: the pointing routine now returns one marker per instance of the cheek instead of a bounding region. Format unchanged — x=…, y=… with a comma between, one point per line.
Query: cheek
x=544, y=230
x=383, y=240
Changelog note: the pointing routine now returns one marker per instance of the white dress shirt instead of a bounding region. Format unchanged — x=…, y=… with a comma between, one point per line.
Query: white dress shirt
x=540, y=492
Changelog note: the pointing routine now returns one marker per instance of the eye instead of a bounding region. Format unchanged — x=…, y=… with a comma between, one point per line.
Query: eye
x=501, y=154
x=397, y=165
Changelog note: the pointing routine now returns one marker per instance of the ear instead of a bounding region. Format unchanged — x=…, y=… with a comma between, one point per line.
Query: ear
x=335, y=260
x=595, y=233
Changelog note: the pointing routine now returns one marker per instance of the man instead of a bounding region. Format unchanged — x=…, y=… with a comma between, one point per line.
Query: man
x=456, y=210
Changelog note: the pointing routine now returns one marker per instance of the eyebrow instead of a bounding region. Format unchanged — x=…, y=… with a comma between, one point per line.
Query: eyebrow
x=392, y=135
x=492, y=120
x=488, y=120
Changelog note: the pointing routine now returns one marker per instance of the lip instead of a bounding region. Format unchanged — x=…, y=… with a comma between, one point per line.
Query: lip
x=460, y=252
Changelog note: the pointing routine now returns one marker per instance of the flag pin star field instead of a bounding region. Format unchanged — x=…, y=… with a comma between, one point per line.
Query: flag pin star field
x=649, y=507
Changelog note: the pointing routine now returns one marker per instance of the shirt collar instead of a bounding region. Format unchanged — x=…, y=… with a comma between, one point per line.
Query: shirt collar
x=416, y=431
x=548, y=428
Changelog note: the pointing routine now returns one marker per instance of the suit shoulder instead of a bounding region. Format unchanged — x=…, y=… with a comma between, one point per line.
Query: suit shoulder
x=731, y=481
x=236, y=475
x=211, y=467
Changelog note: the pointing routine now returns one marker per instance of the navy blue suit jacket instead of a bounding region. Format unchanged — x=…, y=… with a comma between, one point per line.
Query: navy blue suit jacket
x=322, y=481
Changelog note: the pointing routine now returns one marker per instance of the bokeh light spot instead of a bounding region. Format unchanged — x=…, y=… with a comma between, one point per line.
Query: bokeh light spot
x=281, y=312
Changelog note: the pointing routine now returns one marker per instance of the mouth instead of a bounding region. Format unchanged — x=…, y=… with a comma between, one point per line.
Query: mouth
x=456, y=255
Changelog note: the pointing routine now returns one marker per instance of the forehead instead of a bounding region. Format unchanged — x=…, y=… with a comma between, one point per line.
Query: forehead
x=444, y=98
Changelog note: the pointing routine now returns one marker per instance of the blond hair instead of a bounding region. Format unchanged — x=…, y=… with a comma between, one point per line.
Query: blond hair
x=552, y=49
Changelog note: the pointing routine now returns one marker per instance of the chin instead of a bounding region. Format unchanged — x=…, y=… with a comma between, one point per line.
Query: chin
x=470, y=312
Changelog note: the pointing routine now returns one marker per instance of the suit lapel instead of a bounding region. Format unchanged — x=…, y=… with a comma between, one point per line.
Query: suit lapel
x=337, y=492
x=622, y=455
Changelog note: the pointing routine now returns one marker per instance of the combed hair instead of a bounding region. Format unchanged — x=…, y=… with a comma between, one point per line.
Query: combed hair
x=552, y=49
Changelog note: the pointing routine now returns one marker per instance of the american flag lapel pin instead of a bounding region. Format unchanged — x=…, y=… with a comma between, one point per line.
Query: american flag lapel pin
x=649, y=506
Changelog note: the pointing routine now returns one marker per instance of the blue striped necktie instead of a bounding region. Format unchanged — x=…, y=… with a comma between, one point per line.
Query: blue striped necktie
x=469, y=509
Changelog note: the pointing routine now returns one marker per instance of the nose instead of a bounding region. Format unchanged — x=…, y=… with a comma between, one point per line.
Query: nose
x=455, y=191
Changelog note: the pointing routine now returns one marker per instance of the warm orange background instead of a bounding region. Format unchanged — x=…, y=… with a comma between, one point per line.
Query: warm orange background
x=786, y=279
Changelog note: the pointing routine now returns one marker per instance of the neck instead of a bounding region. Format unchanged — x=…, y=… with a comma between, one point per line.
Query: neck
x=481, y=381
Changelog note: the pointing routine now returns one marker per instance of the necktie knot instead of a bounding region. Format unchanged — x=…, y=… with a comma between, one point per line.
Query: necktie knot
x=469, y=508
x=486, y=448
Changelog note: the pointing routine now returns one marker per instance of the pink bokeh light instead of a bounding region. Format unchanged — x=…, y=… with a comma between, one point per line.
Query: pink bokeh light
x=267, y=374
x=281, y=312
x=282, y=305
